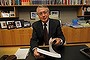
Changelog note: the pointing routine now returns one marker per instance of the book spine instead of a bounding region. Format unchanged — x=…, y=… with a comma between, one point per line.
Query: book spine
x=17, y=2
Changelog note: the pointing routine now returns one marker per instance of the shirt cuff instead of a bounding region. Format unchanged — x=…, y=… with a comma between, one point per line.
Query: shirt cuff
x=34, y=48
x=61, y=42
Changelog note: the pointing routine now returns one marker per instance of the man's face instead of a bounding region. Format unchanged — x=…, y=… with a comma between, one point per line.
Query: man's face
x=43, y=14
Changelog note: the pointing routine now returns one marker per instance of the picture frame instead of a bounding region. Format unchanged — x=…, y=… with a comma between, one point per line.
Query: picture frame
x=33, y=15
x=18, y=24
x=3, y=24
x=10, y=24
x=4, y=14
x=55, y=14
x=27, y=24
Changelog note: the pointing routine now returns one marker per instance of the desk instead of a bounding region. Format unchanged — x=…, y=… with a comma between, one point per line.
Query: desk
x=67, y=53
x=15, y=37
x=76, y=35
x=22, y=36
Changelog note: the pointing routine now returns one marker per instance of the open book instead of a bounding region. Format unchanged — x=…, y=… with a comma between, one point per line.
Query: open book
x=48, y=53
x=52, y=53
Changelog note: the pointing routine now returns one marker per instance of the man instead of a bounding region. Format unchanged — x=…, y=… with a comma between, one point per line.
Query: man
x=53, y=31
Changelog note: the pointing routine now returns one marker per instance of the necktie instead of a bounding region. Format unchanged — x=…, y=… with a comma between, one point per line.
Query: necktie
x=45, y=35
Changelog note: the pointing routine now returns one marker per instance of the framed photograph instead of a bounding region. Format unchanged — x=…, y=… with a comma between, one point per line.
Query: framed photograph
x=55, y=14
x=4, y=14
x=10, y=24
x=27, y=24
x=33, y=15
x=18, y=24
x=3, y=24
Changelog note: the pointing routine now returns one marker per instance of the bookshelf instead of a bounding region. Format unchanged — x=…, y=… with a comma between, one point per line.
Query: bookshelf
x=14, y=6
x=8, y=12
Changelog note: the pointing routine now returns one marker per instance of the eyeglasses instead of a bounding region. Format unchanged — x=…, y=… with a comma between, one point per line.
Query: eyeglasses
x=44, y=12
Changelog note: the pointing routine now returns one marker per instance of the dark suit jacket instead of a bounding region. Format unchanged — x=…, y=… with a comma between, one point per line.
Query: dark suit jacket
x=37, y=35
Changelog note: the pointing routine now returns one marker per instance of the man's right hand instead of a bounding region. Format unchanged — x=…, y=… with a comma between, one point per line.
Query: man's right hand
x=38, y=55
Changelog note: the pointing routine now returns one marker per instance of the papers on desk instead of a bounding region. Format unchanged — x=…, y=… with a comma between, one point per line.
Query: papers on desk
x=22, y=53
x=81, y=25
x=76, y=26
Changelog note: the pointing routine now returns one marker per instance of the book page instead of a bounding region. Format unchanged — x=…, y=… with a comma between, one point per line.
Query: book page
x=52, y=53
x=50, y=46
x=48, y=53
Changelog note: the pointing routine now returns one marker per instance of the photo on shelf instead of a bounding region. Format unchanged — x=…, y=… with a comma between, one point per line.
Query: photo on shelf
x=55, y=14
x=3, y=24
x=27, y=24
x=10, y=24
x=3, y=14
x=18, y=24
x=33, y=15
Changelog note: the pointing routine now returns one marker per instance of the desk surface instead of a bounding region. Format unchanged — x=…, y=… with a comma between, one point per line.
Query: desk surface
x=73, y=53
x=67, y=51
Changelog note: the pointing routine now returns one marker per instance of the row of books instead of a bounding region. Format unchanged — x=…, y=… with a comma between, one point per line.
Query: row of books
x=65, y=2
x=14, y=2
x=29, y=2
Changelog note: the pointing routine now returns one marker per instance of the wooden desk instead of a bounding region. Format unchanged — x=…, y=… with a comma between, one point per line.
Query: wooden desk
x=12, y=37
x=76, y=35
x=22, y=36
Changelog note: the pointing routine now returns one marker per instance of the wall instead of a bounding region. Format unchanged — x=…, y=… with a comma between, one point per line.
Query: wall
x=67, y=13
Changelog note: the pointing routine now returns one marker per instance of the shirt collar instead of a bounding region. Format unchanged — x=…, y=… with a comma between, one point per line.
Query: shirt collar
x=46, y=23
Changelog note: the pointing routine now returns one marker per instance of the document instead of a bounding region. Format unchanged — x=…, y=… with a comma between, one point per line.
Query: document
x=52, y=53
x=76, y=26
x=22, y=53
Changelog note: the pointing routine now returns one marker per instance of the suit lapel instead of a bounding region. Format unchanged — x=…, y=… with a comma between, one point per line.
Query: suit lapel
x=41, y=27
x=50, y=28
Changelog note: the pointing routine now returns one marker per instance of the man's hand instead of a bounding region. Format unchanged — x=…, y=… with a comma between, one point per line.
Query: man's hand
x=38, y=55
x=56, y=41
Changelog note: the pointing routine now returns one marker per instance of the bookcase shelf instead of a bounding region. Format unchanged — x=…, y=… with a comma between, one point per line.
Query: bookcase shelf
x=13, y=5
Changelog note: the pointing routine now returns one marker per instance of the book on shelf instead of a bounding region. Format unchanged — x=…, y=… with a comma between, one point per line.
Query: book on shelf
x=7, y=2
x=25, y=2
x=28, y=2
x=17, y=2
